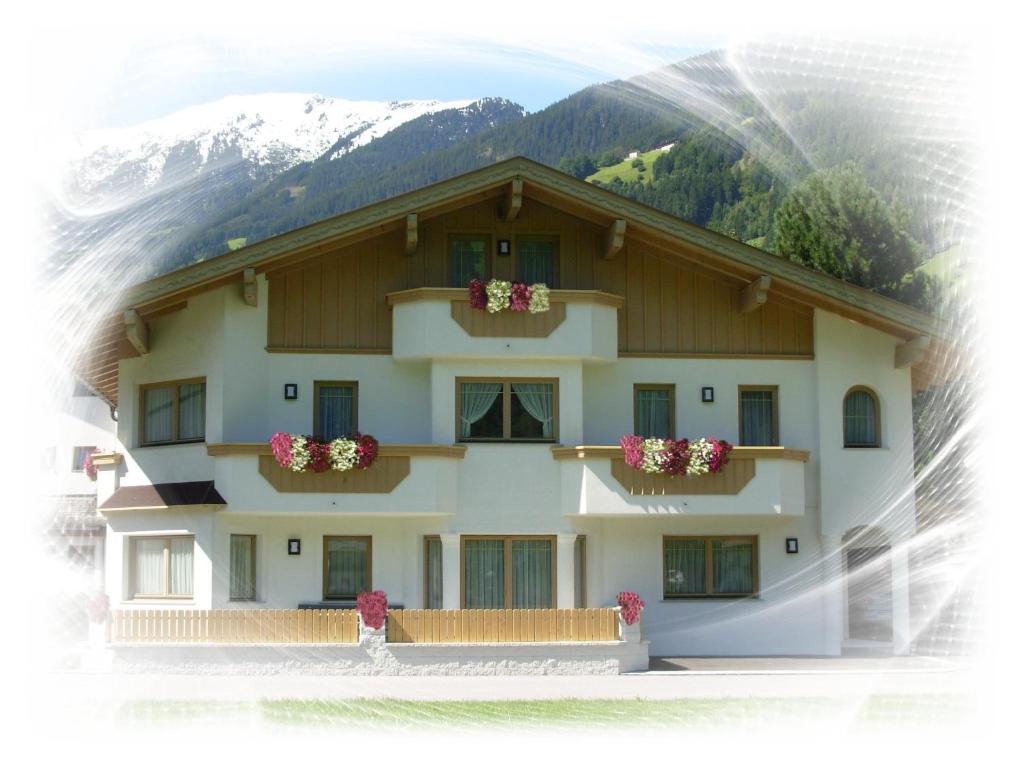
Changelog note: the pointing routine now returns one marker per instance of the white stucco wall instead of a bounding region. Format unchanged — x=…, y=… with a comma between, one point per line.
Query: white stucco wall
x=519, y=488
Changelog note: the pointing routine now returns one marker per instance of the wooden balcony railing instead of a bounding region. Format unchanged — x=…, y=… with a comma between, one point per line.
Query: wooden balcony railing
x=520, y=625
x=235, y=626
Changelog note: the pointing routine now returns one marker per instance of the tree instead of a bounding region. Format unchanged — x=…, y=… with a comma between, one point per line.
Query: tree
x=836, y=223
x=580, y=166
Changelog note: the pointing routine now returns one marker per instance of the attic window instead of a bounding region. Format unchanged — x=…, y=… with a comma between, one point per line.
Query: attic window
x=469, y=258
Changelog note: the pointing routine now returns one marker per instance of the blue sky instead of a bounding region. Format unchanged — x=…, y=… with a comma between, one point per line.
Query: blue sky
x=532, y=79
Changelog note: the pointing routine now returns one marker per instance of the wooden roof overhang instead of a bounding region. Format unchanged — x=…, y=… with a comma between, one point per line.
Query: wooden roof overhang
x=518, y=175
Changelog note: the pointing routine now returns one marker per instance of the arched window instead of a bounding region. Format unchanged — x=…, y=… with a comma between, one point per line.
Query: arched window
x=861, y=418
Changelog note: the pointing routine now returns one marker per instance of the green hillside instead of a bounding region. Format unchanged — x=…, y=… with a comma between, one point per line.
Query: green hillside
x=639, y=169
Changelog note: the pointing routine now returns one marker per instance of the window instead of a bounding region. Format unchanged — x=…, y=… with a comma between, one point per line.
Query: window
x=720, y=566
x=335, y=410
x=174, y=412
x=654, y=410
x=347, y=566
x=516, y=409
x=433, y=597
x=580, y=572
x=162, y=566
x=508, y=571
x=81, y=452
x=82, y=556
x=242, y=567
x=861, y=418
x=469, y=258
x=758, y=418
x=538, y=261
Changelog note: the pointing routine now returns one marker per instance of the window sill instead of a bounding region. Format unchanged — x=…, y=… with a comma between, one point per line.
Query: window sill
x=159, y=601
x=501, y=441
x=174, y=442
x=695, y=598
x=865, y=448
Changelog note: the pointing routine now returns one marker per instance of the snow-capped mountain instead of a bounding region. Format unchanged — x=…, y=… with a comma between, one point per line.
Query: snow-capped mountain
x=253, y=135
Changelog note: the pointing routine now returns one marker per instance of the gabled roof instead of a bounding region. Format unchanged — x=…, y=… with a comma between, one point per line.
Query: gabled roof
x=548, y=186
x=554, y=184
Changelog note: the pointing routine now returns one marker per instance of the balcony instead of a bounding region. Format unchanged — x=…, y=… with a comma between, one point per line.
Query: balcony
x=403, y=480
x=440, y=323
x=756, y=481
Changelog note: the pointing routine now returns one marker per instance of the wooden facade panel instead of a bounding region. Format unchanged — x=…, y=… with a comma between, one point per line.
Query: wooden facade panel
x=674, y=306
x=385, y=474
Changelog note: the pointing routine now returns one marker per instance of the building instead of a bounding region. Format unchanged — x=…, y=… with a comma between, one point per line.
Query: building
x=500, y=482
x=73, y=532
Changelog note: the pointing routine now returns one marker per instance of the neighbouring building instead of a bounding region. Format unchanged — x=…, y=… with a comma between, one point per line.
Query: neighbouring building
x=500, y=482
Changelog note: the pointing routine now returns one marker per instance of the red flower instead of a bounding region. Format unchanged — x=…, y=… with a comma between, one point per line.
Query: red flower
x=368, y=449
x=477, y=296
x=630, y=606
x=280, y=443
x=318, y=455
x=373, y=607
x=632, y=445
x=521, y=296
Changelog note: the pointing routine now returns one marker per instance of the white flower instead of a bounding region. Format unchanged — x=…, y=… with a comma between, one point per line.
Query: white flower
x=343, y=454
x=539, y=302
x=652, y=455
x=299, y=453
x=498, y=292
x=699, y=453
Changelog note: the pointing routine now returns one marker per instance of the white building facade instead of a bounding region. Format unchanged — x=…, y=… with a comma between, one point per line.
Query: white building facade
x=499, y=482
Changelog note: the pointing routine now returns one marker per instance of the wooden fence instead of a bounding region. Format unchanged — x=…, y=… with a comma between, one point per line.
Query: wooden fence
x=235, y=626
x=502, y=625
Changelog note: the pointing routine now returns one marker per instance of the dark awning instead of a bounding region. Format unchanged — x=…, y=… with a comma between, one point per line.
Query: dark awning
x=163, y=496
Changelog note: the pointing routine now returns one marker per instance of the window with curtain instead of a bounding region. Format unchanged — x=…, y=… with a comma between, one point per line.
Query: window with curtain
x=759, y=424
x=336, y=409
x=173, y=412
x=469, y=257
x=347, y=566
x=163, y=566
x=508, y=572
x=654, y=410
x=242, y=567
x=537, y=261
x=433, y=592
x=79, y=456
x=507, y=410
x=723, y=566
x=861, y=419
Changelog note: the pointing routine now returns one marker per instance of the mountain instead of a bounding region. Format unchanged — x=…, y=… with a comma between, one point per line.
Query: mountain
x=737, y=131
x=265, y=134
x=132, y=198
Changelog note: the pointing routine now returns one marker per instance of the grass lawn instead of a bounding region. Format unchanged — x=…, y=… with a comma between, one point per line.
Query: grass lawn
x=625, y=171
x=876, y=711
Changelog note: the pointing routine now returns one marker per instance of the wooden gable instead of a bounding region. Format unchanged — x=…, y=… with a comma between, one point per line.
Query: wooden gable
x=674, y=306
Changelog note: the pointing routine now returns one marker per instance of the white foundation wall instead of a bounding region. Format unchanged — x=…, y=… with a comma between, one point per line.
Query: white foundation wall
x=786, y=618
x=122, y=526
x=284, y=581
x=863, y=486
x=184, y=344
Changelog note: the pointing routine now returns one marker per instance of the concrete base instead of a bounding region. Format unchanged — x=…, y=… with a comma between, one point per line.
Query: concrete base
x=381, y=658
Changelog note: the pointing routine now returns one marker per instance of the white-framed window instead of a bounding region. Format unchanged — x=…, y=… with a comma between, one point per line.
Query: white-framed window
x=162, y=566
x=242, y=566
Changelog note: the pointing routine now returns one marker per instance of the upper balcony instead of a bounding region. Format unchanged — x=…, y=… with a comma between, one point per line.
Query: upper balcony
x=403, y=480
x=756, y=481
x=440, y=323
